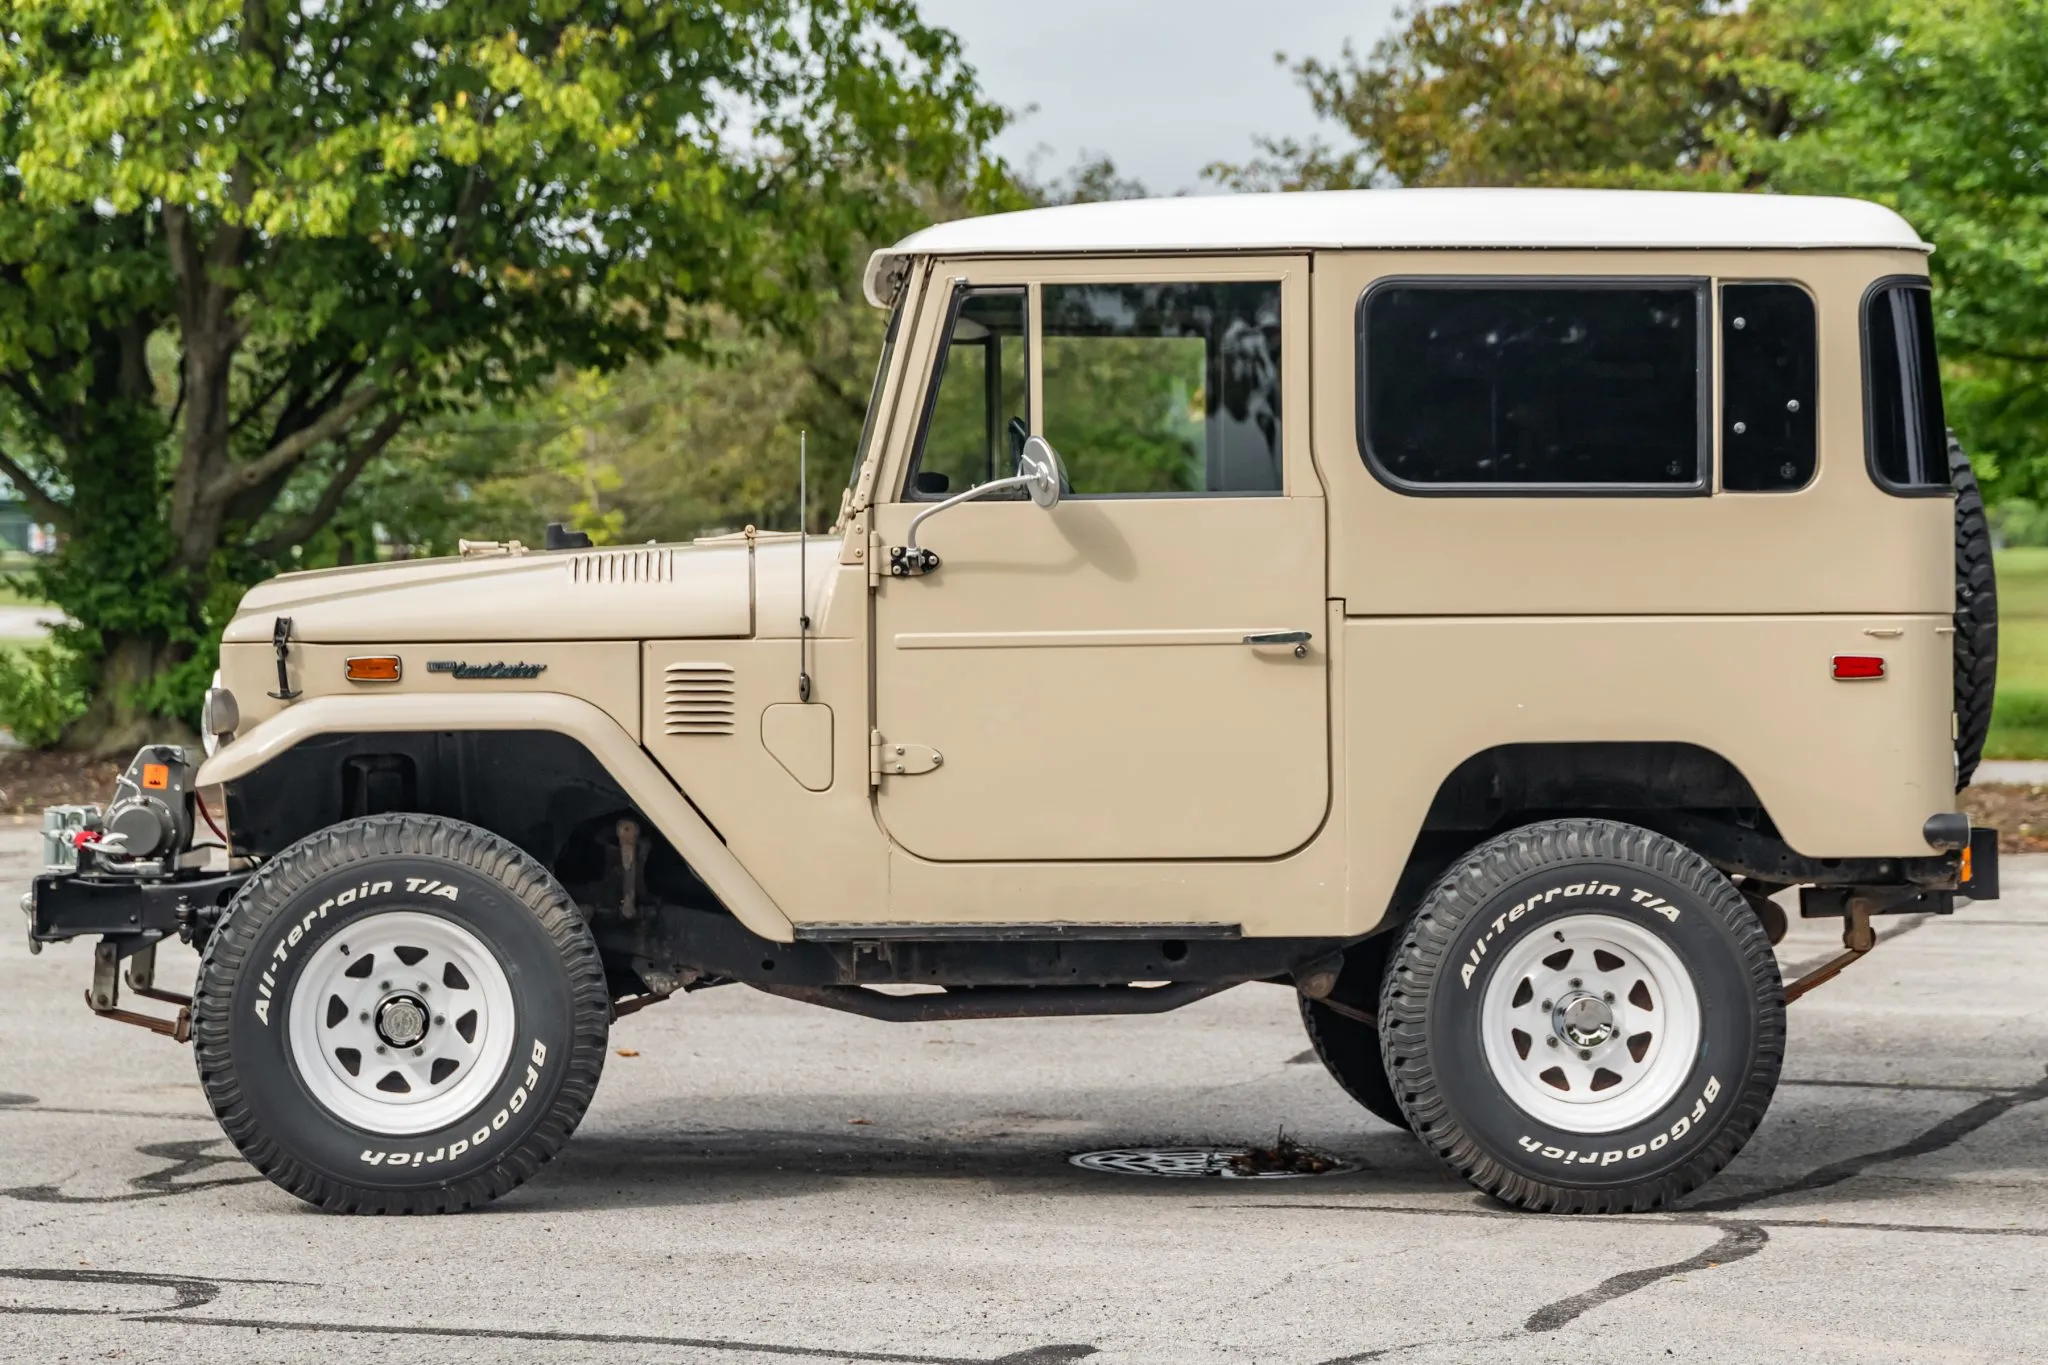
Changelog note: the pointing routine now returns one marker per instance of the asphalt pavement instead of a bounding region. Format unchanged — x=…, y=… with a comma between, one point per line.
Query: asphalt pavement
x=761, y=1181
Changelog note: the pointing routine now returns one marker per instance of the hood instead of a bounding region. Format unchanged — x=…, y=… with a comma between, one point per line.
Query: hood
x=704, y=590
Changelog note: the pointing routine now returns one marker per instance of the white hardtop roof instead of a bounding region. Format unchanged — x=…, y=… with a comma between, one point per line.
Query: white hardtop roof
x=1448, y=218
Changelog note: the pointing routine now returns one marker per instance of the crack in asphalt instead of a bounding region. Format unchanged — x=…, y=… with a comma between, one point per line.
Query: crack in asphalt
x=1035, y=1355
x=1739, y=1241
x=26, y=1104
x=185, y=1157
x=1899, y=1085
x=1949, y=1131
x=196, y=1291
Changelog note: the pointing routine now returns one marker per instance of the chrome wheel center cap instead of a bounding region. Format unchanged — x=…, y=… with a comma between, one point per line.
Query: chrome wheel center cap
x=1584, y=1020
x=402, y=1021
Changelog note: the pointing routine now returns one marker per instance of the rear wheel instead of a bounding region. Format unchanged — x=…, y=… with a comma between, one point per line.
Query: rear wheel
x=1350, y=1050
x=1584, y=1017
x=400, y=1014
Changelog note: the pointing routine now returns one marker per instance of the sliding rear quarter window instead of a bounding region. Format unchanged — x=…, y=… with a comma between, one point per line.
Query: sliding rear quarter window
x=1905, y=432
x=1534, y=385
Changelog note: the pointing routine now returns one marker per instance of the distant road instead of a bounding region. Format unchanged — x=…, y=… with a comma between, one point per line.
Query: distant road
x=28, y=623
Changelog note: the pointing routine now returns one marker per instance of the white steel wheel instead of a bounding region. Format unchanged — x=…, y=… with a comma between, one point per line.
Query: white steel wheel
x=401, y=1023
x=1592, y=1025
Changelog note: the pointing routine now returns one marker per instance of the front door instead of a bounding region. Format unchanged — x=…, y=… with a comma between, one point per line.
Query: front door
x=1140, y=672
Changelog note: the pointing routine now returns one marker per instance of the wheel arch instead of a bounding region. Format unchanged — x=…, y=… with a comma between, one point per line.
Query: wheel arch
x=1505, y=785
x=311, y=764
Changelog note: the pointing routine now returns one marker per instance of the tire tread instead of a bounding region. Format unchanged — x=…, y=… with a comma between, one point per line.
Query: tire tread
x=1422, y=955
x=526, y=881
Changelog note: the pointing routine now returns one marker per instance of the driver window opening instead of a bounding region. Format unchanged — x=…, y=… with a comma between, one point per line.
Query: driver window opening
x=977, y=421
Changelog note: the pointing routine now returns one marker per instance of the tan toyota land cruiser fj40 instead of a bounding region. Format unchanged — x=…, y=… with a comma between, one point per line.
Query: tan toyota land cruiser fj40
x=1469, y=609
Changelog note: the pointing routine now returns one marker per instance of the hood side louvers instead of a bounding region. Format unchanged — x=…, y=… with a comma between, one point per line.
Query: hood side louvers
x=697, y=699
x=624, y=566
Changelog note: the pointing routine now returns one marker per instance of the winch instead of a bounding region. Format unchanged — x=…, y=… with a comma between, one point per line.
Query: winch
x=151, y=814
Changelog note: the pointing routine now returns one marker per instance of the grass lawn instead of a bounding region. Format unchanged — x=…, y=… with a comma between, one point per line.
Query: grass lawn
x=2019, y=719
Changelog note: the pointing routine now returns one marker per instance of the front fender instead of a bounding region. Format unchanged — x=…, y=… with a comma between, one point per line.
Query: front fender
x=649, y=788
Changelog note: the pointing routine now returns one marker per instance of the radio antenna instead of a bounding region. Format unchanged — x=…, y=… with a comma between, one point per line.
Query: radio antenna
x=803, y=578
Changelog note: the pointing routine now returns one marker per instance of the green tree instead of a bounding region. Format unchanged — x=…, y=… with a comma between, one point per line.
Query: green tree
x=695, y=442
x=244, y=244
x=1535, y=92
x=1939, y=108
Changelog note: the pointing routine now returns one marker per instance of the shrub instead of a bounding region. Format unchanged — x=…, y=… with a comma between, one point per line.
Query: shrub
x=43, y=688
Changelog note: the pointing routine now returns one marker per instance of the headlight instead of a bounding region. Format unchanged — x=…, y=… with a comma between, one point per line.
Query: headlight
x=219, y=716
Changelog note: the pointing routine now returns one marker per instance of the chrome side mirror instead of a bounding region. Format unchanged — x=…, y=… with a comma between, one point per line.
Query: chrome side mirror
x=1039, y=465
x=1039, y=473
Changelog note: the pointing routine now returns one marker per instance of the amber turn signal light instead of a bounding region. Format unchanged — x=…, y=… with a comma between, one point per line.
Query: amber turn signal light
x=1858, y=667
x=378, y=668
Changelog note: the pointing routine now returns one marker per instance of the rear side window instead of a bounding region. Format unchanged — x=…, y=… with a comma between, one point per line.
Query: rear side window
x=1495, y=386
x=1906, y=432
x=1768, y=431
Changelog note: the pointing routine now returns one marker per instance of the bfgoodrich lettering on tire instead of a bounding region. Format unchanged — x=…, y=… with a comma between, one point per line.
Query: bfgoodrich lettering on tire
x=400, y=1014
x=1584, y=1017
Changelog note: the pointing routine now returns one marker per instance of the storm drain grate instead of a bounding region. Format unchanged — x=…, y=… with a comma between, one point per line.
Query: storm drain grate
x=1284, y=1161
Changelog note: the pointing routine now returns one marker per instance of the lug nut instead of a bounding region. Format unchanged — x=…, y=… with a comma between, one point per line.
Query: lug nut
x=423, y=988
x=383, y=985
x=440, y=1018
x=1552, y=1041
x=1608, y=997
x=419, y=1052
x=1585, y=1056
x=1576, y=983
x=364, y=1016
x=380, y=1049
x=1546, y=1005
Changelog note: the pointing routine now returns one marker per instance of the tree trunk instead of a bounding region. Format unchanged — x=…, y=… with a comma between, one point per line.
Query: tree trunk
x=117, y=723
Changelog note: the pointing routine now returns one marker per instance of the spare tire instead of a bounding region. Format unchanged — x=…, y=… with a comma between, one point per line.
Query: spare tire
x=1976, y=616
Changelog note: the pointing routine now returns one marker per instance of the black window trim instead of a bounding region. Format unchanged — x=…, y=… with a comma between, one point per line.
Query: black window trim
x=1702, y=486
x=962, y=289
x=1897, y=490
x=1721, y=283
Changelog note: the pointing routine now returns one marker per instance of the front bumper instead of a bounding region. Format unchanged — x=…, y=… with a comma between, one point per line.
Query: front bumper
x=63, y=905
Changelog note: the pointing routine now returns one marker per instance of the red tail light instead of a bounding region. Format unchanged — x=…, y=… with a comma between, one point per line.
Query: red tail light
x=1858, y=667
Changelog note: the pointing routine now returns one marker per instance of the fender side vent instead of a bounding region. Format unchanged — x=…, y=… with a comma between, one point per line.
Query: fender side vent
x=624, y=566
x=697, y=699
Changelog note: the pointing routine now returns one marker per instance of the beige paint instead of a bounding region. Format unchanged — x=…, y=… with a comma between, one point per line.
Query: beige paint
x=800, y=738
x=1842, y=544
x=1107, y=748
x=613, y=594
x=604, y=673
x=818, y=852
x=653, y=794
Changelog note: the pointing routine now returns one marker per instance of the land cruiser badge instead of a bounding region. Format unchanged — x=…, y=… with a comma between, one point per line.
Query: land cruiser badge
x=496, y=670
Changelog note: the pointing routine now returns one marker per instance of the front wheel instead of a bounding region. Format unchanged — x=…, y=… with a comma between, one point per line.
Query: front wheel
x=1584, y=1017
x=400, y=1014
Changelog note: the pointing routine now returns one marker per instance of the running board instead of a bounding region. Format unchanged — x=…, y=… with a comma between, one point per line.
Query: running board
x=1000, y=1002
x=1070, y=931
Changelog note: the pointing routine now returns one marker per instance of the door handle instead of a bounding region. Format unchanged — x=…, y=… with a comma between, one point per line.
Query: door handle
x=1298, y=638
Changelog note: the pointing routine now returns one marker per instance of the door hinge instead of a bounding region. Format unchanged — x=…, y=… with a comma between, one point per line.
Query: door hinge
x=889, y=759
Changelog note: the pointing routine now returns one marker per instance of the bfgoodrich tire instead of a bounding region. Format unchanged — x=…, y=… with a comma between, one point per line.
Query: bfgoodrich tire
x=1976, y=617
x=400, y=1014
x=1350, y=1051
x=1584, y=1017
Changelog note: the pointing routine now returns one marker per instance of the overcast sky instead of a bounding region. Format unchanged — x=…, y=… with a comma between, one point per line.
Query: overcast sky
x=1164, y=87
